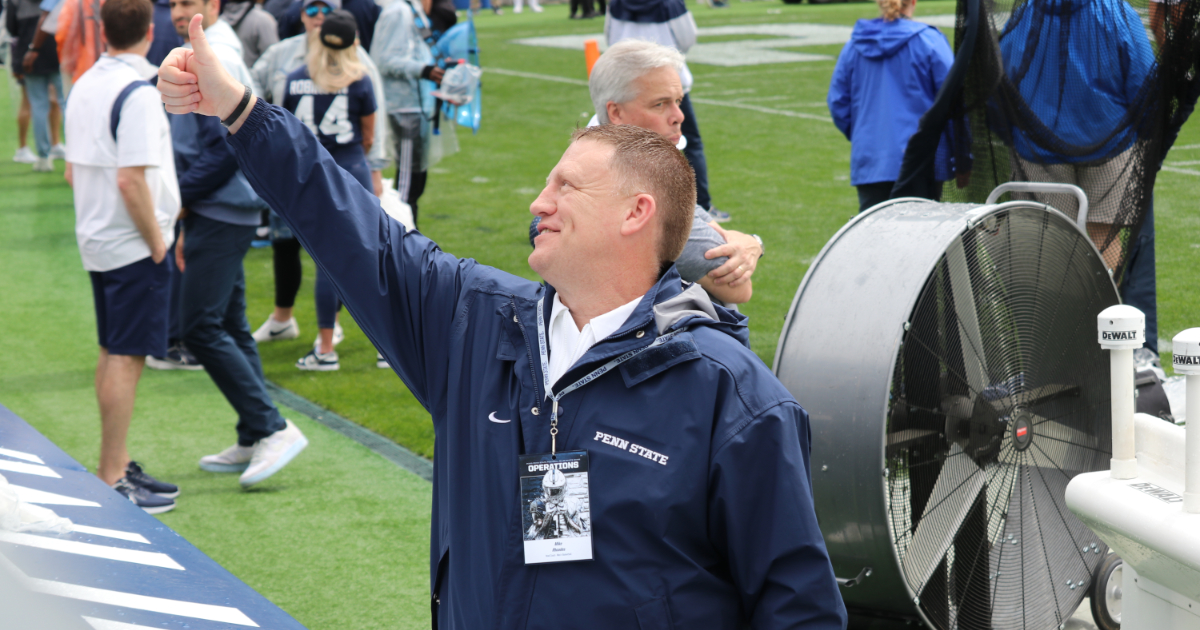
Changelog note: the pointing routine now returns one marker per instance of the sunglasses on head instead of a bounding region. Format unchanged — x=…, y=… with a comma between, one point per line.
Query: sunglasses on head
x=312, y=10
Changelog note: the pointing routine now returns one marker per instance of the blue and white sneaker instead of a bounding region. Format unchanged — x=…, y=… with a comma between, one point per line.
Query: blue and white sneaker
x=272, y=453
x=143, y=498
x=316, y=362
x=138, y=477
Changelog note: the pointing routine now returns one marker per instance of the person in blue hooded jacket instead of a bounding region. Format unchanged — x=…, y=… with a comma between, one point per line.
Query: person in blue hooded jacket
x=697, y=509
x=886, y=78
x=1079, y=70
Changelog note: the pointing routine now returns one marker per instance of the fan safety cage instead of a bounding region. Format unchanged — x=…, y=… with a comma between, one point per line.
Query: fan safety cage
x=947, y=357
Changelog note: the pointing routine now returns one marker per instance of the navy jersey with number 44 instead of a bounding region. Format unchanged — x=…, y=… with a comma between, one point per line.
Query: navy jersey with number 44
x=335, y=118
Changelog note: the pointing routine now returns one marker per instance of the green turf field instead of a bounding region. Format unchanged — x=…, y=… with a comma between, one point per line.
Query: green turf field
x=340, y=538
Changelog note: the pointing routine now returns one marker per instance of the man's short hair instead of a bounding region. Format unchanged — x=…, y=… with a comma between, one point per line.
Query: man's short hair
x=126, y=22
x=622, y=64
x=645, y=162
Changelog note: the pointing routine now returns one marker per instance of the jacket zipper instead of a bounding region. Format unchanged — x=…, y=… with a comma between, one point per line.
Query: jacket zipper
x=529, y=352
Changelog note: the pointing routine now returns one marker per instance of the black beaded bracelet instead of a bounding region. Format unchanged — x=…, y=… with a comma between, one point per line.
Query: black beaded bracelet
x=237, y=111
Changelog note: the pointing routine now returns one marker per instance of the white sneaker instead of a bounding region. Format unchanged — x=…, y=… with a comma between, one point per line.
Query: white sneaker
x=272, y=330
x=381, y=362
x=43, y=165
x=24, y=156
x=58, y=152
x=316, y=362
x=536, y=8
x=339, y=335
x=272, y=453
x=233, y=459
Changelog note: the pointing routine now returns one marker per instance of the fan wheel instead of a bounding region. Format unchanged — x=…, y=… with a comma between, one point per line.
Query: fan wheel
x=947, y=356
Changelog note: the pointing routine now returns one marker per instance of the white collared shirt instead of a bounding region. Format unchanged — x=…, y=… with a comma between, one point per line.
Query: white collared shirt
x=568, y=343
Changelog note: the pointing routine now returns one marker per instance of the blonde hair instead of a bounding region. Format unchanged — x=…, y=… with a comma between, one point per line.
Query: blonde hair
x=892, y=9
x=332, y=70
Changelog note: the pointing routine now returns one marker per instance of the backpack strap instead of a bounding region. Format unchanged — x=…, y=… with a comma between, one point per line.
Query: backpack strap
x=114, y=119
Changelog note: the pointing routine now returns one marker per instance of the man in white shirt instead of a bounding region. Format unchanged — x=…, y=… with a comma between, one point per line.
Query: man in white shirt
x=120, y=163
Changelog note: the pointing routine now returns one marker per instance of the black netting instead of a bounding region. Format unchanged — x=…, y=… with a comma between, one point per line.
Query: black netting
x=999, y=397
x=1084, y=92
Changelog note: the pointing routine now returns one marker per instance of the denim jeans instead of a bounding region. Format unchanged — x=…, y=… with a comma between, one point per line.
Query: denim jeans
x=694, y=152
x=1138, y=286
x=37, y=86
x=212, y=314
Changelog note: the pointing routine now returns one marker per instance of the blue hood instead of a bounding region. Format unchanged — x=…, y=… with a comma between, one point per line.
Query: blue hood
x=879, y=39
x=646, y=11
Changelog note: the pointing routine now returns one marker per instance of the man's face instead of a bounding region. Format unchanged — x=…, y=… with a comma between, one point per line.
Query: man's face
x=182, y=12
x=313, y=22
x=656, y=106
x=581, y=210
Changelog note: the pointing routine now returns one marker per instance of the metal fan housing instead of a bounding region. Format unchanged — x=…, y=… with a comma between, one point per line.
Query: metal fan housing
x=995, y=305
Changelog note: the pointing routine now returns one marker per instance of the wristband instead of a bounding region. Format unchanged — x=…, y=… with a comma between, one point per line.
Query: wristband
x=760, y=245
x=237, y=111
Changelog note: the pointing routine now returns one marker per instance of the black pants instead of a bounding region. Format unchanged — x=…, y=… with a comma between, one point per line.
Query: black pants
x=212, y=314
x=410, y=146
x=878, y=192
x=694, y=152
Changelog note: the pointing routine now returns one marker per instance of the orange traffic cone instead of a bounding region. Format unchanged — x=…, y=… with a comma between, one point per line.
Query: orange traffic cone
x=591, y=53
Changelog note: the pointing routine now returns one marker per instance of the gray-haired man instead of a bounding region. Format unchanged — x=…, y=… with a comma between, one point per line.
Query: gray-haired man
x=637, y=83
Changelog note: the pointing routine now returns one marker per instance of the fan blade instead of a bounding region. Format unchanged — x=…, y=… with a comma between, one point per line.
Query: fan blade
x=954, y=492
x=970, y=337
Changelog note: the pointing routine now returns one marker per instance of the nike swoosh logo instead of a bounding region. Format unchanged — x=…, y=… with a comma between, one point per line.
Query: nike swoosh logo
x=276, y=333
x=493, y=418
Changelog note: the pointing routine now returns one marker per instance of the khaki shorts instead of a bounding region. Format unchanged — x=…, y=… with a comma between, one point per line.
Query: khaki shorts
x=1110, y=186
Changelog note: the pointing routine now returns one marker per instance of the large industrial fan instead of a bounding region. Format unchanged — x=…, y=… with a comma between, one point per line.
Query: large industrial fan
x=947, y=357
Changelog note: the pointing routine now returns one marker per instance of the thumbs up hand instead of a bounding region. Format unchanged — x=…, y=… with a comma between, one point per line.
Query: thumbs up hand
x=196, y=81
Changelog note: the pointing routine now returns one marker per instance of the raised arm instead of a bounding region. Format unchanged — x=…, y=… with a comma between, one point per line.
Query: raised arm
x=399, y=286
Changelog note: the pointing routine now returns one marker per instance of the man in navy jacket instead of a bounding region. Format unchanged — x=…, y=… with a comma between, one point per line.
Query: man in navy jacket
x=700, y=497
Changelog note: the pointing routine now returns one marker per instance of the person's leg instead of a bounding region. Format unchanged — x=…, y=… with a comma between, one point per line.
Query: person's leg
x=328, y=305
x=694, y=152
x=174, y=331
x=57, y=106
x=1139, y=287
x=576, y=6
x=23, y=118
x=211, y=296
x=37, y=86
x=873, y=194
x=116, y=390
x=410, y=179
x=131, y=304
x=289, y=273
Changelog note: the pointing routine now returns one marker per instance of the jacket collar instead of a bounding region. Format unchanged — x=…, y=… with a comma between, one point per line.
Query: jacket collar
x=667, y=306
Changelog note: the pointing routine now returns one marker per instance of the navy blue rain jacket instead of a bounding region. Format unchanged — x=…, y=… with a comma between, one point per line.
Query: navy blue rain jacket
x=720, y=534
x=886, y=78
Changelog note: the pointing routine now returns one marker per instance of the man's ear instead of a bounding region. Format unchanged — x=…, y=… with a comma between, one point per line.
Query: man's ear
x=150, y=33
x=614, y=113
x=640, y=216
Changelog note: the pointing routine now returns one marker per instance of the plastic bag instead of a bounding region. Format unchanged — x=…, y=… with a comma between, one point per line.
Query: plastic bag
x=459, y=84
x=19, y=516
x=394, y=206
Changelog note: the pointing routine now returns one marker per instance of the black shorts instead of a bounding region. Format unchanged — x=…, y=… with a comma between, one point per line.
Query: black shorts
x=131, y=308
